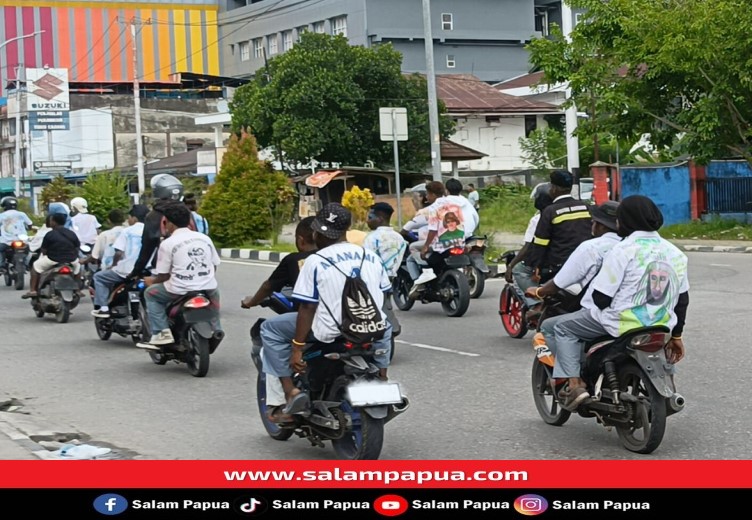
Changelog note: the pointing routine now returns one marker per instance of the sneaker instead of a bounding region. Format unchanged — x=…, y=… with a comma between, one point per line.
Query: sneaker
x=426, y=276
x=571, y=398
x=148, y=346
x=415, y=291
x=99, y=313
x=162, y=338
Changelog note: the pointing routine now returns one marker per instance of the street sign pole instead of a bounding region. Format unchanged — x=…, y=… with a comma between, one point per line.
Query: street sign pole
x=396, y=168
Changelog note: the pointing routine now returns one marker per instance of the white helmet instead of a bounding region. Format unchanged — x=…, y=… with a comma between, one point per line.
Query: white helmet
x=80, y=205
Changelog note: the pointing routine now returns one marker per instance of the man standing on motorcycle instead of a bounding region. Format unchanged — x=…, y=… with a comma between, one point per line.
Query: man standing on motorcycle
x=187, y=261
x=13, y=224
x=643, y=282
x=321, y=281
x=127, y=247
x=60, y=245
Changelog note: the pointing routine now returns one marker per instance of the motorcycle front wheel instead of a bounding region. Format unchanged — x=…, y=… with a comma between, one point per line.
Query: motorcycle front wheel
x=644, y=432
x=454, y=283
x=476, y=280
x=197, y=357
x=543, y=395
x=364, y=440
x=63, y=313
x=401, y=289
x=273, y=429
x=103, y=332
x=512, y=312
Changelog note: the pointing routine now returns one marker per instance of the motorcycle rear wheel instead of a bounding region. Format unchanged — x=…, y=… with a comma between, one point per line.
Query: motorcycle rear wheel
x=20, y=272
x=476, y=281
x=103, y=333
x=401, y=289
x=274, y=431
x=8, y=279
x=63, y=313
x=512, y=312
x=459, y=302
x=543, y=395
x=197, y=357
x=649, y=416
x=364, y=440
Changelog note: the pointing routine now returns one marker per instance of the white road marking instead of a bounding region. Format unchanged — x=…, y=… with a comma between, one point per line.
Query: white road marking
x=261, y=264
x=440, y=349
x=720, y=265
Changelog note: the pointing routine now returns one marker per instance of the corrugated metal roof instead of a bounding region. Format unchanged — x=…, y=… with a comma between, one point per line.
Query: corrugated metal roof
x=467, y=93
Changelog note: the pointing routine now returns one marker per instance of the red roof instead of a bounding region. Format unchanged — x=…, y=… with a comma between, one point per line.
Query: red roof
x=467, y=93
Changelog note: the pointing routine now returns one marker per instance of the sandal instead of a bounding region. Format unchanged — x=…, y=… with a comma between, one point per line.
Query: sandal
x=297, y=404
x=276, y=415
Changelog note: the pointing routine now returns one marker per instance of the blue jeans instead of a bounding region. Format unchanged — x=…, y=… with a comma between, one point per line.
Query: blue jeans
x=523, y=277
x=104, y=281
x=277, y=334
x=158, y=298
x=570, y=333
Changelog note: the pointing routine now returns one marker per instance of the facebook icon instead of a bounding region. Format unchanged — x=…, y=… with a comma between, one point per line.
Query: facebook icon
x=110, y=504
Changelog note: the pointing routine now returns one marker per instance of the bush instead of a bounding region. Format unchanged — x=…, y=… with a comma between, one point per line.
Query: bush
x=248, y=201
x=105, y=192
x=57, y=190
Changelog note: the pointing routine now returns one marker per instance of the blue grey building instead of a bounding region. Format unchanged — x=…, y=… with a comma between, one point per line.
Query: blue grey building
x=485, y=38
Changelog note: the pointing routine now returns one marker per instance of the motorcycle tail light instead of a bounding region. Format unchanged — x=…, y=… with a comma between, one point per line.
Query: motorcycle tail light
x=197, y=302
x=649, y=342
x=17, y=244
x=456, y=251
x=348, y=345
x=65, y=270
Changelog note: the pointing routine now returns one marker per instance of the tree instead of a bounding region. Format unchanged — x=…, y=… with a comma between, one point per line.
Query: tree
x=544, y=149
x=104, y=192
x=248, y=201
x=675, y=69
x=321, y=99
x=57, y=190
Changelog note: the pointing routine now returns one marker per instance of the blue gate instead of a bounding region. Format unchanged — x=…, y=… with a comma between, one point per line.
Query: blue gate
x=729, y=194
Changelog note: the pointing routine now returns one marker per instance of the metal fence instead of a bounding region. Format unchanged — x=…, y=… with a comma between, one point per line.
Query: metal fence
x=729, y=195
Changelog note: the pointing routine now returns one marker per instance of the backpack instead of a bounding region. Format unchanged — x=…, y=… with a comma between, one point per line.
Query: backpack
x=361, y=321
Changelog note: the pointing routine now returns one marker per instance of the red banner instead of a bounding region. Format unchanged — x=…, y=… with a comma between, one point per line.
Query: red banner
x=382, y=474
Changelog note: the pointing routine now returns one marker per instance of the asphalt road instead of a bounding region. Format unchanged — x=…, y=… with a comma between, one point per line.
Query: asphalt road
x=468, y=382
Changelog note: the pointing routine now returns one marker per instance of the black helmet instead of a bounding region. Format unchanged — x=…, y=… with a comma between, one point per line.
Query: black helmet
x=9, y=202
x=165, y=186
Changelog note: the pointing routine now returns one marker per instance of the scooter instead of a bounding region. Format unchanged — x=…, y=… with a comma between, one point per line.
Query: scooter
x=126, y=307
x=16, y=261
x=477, y=271
x=57, y=294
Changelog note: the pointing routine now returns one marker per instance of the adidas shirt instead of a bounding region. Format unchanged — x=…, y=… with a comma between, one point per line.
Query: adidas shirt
x=319, y=282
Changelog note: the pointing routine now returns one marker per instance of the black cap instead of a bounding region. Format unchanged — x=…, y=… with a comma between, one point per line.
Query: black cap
x=332, y=221
x=139, y=211
x=383, y=207
x=605, y=214
x=562, y=178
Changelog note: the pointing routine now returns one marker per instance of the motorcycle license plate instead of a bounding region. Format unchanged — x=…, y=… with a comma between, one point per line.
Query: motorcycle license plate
x=374, y=394
x=479, y=243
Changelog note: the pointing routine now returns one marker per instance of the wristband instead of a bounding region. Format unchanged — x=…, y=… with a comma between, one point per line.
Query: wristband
x=676, y=337
x=537, y=293
x=298, y=343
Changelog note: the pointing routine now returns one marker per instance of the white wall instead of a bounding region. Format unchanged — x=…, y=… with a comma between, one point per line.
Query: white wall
x=88, y=143
x=500, y=140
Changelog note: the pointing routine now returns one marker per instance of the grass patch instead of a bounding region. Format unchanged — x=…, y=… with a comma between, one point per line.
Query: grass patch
x=714, y=229
x=506, y=208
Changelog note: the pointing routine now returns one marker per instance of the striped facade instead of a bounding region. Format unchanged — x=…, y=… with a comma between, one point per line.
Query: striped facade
x=92, y=39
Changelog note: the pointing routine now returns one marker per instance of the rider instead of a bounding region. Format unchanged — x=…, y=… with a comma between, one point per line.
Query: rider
x=316, y=284
x=103, y=252
x=202, y=224
x=85, y=225
x=60, y=245
x=383, y=239
x=562, y=227
x=643, y=282
x=415, y=231
x=187, y=262
x=13, y=224
x=127, y=247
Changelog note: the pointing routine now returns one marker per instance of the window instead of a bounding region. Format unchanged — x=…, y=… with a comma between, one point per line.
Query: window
x=541, y=22
x=447, y=24
x=301, y=30
x=245, y=51
x=257, y=46
x=232, y=49
x=287, y=40
x=272, y=44
x=531, y=124
x=318, y=27
x=450, y=61
x=339, y=25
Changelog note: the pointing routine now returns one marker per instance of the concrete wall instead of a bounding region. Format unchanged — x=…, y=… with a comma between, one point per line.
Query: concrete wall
x=666, y=185
x=718, y=169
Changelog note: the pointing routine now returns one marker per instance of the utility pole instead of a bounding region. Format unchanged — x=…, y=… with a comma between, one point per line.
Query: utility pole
x=573, y=143
x=433, y=109
x=137, y=107
x=19, y=131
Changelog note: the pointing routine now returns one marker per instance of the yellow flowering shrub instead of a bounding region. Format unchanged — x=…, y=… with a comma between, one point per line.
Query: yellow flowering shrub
x=358, y=201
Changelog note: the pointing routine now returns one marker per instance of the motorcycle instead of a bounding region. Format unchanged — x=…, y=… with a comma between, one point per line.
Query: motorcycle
x=450, y=287
x=57, y=294
x=88, y=268
x=477, y=271
x=191, y=318
x=126, y=307
x=349, y=405
x=630, y=382
x=16, y=261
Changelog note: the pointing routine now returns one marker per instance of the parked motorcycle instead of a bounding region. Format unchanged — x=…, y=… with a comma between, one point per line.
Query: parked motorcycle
x=349, y=405
x=191, y=320
x=16, y=258
x=57, y=294
x=126, y=306
x=477, y=271
x=631, y=386
x=450, y=287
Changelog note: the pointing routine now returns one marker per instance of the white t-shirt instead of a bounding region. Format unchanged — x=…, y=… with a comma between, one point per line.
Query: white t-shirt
x=319, y=281
x=584, y=263
x=129, y=242
x=12, y=224
x=85, y=226
x=389, y=245
x=454, y=219
x=644, y=274
x=474, y=198
x=530, y=231
x=103, y=250
x=191, y=259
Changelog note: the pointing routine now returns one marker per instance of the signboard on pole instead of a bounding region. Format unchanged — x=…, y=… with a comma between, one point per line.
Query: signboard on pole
x=47, y=121
x=393, y=127
x=47, y=90
x=53, y=167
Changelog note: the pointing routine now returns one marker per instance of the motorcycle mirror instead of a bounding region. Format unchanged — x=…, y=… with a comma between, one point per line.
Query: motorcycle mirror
x=85, y=249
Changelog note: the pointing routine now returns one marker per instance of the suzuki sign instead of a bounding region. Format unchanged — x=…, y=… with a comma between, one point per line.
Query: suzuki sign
x=47, y=90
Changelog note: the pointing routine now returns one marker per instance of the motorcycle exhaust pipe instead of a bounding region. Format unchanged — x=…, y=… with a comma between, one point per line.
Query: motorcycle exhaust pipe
x=397, y=409
x=676, y=402
x=219, y=335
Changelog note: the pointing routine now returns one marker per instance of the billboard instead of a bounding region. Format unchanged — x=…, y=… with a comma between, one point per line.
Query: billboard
x=47, y=90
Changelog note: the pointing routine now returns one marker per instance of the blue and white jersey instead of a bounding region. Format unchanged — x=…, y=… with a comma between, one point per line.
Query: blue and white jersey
x=129, y=242
x=319, y=281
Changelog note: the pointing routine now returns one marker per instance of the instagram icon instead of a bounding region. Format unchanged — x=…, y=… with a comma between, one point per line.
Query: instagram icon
x=530, y=505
